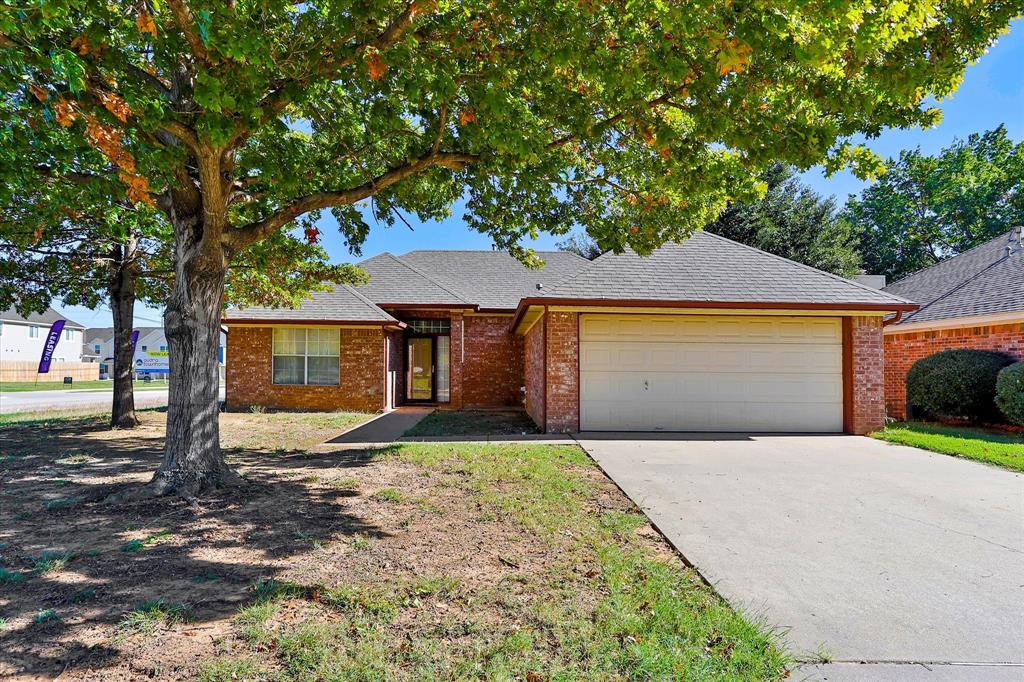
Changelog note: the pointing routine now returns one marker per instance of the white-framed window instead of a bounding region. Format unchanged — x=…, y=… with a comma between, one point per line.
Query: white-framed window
x=306, y=356
x=144, y=349
x=69, y=334
x=33, y=332
x=97, y=348
x=163, y=349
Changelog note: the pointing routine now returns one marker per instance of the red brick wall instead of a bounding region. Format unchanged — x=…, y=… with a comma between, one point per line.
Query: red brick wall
x=563, y=362
x=249, y=372
x=903, y=350
x=867, y=411
x=533, y=371
x=493, y=364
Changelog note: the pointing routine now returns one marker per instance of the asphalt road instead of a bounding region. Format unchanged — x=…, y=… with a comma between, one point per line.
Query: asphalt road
x=33, y=401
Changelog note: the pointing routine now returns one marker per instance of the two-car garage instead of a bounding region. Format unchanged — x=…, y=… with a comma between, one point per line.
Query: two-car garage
x=757, y=373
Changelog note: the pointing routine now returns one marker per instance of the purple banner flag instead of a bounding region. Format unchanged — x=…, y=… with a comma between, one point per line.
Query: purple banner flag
x=135, y=339
x=51, y=345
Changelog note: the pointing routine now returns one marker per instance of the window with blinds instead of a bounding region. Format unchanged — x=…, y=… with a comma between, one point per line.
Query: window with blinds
x=307, y=356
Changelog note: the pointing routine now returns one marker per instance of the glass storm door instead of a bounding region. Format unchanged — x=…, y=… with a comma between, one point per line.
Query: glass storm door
x=420, y=380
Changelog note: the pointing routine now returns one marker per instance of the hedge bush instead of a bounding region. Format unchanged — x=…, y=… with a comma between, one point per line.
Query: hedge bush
x=1010, y=392
x=956, y=384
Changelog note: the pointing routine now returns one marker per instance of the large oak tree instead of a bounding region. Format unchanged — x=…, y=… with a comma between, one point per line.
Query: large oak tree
x=637, y=120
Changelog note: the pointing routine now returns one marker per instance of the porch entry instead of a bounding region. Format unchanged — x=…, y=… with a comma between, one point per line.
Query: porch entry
x=428, y=361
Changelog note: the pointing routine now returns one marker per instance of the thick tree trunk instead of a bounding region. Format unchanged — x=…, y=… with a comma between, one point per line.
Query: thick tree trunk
x=121, y=288
x=192, y=462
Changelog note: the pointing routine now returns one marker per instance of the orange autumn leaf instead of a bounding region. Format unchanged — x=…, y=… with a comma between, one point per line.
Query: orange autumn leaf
x=375, y=65
x=648, y=136
x=136, y=188
x=144, y=22
x=64, y=113
x=666, y=153
x=466, y=116
x=39, y=93
x=734, y=56
x=115, y=105
x=81, y=45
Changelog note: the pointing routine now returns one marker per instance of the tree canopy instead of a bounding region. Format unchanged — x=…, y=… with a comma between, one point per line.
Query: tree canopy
x=636, y=120
x=794, y=222
x=929, y=207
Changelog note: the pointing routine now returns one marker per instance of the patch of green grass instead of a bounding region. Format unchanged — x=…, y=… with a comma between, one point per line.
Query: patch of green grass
x=139, y=544
x=51, y=562
x=344, y=483
x=981, y=445
x=3, y=623
x=152, y=615
x=251, y=623
x=388, y=495
x=226, y=669
x=473, y=423
x=361, y=543
x=62, y=503
x=46, y=616
x=10, y=577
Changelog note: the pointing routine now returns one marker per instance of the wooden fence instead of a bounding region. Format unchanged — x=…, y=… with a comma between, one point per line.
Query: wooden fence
x=27, y=370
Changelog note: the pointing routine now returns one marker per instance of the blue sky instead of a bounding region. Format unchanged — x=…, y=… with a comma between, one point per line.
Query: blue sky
x=992, y=93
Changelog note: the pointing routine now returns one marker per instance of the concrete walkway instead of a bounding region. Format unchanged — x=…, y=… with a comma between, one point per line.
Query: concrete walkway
x=387, y=428
x=889, y=560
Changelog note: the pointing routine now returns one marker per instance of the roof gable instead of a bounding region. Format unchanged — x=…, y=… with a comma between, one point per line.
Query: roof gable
x=394, y=281
x=494, y=279
x=710, y=268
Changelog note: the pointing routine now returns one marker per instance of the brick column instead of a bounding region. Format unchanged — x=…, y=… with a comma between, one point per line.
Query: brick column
x=864, y=360
x=563, y=376
x=456, y=369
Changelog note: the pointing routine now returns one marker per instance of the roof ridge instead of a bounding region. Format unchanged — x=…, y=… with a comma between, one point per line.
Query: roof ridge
x=850, y=282
x=368, y=303
x=430, y=279
x=1007, y=235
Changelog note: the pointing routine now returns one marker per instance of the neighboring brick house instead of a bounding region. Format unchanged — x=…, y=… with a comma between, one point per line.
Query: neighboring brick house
x=707, y=335
x=974, y=300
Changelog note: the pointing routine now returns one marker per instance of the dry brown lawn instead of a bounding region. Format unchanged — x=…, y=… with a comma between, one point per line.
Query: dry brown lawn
x=418, y=561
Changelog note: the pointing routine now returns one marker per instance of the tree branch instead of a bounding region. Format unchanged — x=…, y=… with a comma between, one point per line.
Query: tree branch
x=183, y=17
x=243, y=236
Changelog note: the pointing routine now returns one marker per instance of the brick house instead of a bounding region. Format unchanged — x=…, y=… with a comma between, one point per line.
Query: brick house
x=973, y=300
x=707, y=335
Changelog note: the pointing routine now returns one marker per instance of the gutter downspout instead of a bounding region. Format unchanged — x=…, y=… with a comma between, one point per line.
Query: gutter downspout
x=894, y=319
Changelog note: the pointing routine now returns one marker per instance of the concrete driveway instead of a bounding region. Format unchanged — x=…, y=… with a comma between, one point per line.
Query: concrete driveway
x=879, y=555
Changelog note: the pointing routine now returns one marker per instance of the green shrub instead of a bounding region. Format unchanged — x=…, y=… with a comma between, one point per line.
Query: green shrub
x=956, y=384
x=1010, y=392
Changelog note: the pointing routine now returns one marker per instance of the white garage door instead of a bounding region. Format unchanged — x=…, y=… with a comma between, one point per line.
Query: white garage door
x=710, y=373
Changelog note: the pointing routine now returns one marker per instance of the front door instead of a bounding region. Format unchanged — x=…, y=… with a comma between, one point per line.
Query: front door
x=420, y=364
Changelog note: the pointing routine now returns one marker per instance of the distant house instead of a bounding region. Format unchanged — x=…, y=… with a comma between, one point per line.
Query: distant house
x=22, y=338
x=706, y=335
x=974, y=300
x=151, y=350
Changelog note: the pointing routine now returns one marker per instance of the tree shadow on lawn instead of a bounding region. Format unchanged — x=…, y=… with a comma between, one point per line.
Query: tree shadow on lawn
x=75, y=566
